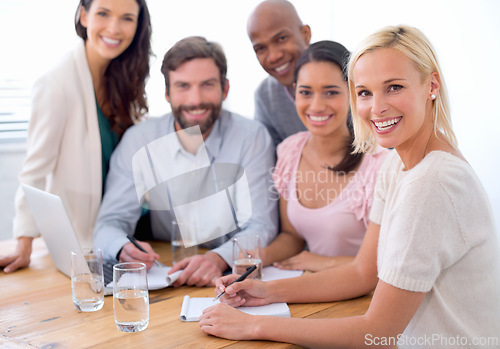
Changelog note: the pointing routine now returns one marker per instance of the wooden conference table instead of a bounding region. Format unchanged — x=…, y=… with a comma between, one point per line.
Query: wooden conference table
x=36, y=311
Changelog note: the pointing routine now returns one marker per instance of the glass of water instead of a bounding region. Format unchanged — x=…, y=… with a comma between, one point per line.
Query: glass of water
x=246, y=253
x=180, y=248
x=87, y=280
x=130, y=296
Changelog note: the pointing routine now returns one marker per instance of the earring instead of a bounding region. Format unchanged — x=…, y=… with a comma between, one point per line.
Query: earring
x=433, y=96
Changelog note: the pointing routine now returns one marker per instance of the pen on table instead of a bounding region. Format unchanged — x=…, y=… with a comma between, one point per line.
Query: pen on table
x=241, y=278
x=134, y=241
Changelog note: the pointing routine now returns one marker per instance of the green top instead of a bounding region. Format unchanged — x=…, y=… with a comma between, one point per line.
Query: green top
x=109, y=140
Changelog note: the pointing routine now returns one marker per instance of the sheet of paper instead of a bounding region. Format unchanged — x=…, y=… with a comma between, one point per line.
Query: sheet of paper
x=192, y=308
x=272, y=273
x=158, y=278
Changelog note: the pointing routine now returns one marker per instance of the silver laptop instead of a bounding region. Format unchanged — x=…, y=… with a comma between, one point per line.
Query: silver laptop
x=57, y=232
x=54, y=225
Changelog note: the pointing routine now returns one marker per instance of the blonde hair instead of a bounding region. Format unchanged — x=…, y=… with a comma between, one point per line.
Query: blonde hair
x=414, y=45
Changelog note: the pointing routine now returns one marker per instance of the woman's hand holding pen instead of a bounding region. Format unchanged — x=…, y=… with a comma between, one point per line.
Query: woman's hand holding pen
x=248, y=292
x=223, y=320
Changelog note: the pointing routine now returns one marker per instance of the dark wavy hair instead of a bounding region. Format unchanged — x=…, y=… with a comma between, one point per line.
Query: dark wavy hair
x=125, y=78
x=333, y=52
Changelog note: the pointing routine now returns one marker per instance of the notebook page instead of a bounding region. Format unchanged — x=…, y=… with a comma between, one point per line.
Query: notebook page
x=192, y=308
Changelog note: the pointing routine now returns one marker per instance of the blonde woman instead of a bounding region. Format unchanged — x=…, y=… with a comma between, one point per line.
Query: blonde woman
x=430, y=251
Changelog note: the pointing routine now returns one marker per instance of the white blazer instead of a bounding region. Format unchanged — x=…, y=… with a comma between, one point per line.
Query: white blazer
x=64, y=146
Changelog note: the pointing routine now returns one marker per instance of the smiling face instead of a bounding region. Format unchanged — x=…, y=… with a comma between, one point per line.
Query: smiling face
x=322, y=99
x=196, y=94
x=391, y=98
x=278, y=39
x=111, y=27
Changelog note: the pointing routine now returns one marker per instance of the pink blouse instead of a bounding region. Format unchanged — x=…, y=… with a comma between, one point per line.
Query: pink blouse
x=338, y=228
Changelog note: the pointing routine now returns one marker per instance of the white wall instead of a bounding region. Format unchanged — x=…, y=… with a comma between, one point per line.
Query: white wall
x=33, y=34
x=223, y=21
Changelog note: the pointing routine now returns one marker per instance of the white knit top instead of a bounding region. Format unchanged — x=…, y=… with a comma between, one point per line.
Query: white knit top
x=438, y=236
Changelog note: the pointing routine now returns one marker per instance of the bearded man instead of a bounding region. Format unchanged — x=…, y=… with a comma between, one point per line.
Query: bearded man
x=198, y=134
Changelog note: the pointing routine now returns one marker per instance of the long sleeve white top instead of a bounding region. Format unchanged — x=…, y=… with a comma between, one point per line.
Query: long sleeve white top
x=64, y=146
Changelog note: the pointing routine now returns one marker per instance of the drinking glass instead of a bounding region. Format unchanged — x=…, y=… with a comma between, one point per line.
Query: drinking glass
x=179, y=249
x=246, y=253
x=87, y=283
x=130, y=296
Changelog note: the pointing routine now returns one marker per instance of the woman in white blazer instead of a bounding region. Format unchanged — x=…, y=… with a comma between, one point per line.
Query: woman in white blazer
x=80, y=109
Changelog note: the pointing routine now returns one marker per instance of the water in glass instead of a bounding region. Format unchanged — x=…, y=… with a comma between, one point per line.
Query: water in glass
x=131, y=310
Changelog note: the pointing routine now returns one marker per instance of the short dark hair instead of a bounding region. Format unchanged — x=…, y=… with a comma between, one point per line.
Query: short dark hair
x=190, y=48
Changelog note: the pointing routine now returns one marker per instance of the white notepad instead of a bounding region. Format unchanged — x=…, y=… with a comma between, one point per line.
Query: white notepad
x=192, y=308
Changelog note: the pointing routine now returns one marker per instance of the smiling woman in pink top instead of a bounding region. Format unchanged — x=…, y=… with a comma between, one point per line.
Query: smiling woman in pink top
x=325, y=190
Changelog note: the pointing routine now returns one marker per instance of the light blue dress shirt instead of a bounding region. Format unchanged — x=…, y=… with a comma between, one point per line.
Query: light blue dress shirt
x=233, y=139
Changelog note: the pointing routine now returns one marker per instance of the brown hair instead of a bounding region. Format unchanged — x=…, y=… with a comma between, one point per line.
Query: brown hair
x=190, y=48
x=125, y=77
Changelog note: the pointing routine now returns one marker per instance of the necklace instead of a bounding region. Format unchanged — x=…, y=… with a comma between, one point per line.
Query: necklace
x=427, y=145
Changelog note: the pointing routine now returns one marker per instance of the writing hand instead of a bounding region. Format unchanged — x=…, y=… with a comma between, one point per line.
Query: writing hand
x=130, y=253
x=248, y=292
